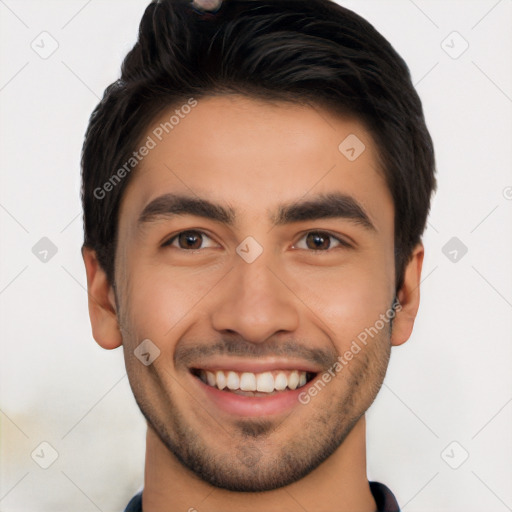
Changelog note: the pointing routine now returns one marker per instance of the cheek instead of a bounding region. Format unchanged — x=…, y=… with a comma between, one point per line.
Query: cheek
x=351, y=298
x=160, y=297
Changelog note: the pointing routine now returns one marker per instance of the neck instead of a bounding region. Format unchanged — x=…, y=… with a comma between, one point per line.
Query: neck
x=339, y=484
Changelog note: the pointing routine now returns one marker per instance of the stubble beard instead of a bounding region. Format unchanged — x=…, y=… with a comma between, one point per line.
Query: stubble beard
x=258, y=456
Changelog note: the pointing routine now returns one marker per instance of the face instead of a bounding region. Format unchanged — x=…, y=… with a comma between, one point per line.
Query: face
x=253, y=254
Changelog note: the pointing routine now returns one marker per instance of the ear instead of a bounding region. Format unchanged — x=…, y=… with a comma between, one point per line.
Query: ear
x=408, y=297
x=102, y=306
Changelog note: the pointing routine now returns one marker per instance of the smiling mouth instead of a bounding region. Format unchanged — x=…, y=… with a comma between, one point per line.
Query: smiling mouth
x=254, y=384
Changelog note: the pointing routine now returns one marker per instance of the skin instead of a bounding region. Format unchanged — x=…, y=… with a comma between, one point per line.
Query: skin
x=251, y=157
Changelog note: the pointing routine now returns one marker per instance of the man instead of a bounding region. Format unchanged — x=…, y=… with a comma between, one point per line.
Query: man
x=255, y=188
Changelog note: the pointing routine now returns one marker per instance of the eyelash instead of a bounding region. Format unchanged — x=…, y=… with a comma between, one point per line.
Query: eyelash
x=342, y=243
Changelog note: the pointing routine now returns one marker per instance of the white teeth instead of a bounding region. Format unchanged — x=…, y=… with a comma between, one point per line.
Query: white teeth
x=221, y=380
x=265, y=382
x=293, y=380
x=280, y=381
x=248, y=382
x=233, y=381
x=210, y=378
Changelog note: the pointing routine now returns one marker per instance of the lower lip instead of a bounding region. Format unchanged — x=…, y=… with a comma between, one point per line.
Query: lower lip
x=239, y=405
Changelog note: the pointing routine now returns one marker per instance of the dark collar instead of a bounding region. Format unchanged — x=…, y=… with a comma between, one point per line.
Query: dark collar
x=384, y=498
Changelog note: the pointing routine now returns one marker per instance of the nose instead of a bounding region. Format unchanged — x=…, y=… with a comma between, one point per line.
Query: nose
x=255, y=302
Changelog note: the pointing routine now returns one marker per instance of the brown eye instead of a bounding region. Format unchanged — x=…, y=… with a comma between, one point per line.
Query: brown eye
x=320, y=241
x=189, y=240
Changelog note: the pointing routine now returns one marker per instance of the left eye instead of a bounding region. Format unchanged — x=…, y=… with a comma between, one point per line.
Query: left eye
x=320, y=241
x=189, y=240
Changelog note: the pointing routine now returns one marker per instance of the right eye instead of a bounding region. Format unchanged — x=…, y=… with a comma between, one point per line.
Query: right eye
x=188, y=240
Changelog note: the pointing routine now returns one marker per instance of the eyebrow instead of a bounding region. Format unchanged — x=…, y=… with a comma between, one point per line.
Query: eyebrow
x=325, y=206
x=169, y=205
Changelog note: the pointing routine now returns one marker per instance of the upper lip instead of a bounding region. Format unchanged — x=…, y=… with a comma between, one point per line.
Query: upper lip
x=256, y=366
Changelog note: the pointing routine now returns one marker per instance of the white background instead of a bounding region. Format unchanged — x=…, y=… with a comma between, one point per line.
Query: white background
x=452, y=381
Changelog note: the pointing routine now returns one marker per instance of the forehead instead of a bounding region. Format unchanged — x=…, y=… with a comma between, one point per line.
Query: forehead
x=253, y=155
